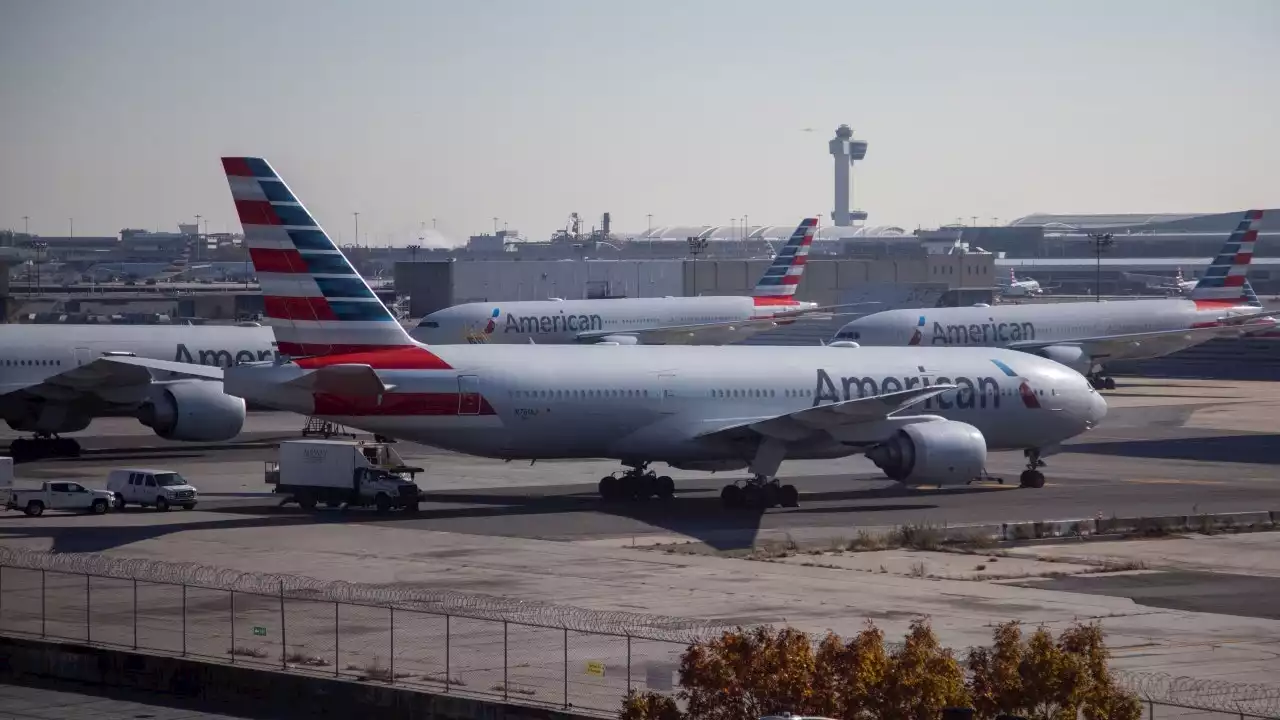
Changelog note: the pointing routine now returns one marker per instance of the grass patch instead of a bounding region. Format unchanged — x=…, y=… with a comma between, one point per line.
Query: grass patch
x=300, y=658
x=917, y=537
x=444, y=680
x=918, y=570
x=509, y=689
x=246, y=651
x=376, y=671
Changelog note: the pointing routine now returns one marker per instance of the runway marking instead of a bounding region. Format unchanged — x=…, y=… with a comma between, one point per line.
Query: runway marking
x=1162, y=481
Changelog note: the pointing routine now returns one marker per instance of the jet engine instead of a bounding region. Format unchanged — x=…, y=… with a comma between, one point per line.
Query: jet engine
x=192, y=411
x=941, y=452
x=1072, y=356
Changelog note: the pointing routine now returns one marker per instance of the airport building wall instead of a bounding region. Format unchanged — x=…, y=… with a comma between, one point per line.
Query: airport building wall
x=432, y=286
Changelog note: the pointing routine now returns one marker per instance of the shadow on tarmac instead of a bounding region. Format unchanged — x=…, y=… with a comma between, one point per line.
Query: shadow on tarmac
x=1252, y=448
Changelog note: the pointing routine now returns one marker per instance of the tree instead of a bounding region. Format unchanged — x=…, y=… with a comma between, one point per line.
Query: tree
x=1044, y=679
x=922, y=678
x=744, y=675
x=849, y=678
x=649, y=706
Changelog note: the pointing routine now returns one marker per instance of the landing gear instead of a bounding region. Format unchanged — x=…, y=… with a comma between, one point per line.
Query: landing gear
x=759, y=493
x=1102, y=382
x=636, y=483
x=1032, y=477
x=43, y=446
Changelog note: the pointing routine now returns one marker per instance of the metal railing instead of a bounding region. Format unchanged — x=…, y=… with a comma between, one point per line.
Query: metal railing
x=432, y=640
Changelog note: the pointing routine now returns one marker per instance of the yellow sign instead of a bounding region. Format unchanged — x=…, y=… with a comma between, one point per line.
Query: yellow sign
x=595, y=667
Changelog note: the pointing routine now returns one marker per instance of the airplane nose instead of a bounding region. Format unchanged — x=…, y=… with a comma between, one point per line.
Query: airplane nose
x=1097, y=409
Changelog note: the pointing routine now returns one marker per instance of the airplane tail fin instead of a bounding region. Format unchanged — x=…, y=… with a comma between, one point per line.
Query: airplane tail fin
x=313, y=298
x=1251, y=297
x=782, y=278
x=1224, y=280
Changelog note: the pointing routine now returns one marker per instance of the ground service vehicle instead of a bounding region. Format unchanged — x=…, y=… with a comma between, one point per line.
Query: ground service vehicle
x=161, y=489
x=340, y=473
x=50, y=495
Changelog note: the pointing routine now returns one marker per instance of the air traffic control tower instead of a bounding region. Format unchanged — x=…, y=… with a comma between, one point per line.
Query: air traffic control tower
x=845, y=151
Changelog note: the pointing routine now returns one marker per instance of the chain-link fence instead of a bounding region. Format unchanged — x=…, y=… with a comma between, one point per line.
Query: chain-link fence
x=439, y=641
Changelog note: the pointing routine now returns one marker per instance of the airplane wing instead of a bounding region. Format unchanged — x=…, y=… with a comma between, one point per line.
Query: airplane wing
x=104, y=377
x=676, y=334
x=798, y=424
x=1143, y=344
x=170, y=366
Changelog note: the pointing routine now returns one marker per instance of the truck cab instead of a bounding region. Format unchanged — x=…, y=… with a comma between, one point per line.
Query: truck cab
x=52, y=495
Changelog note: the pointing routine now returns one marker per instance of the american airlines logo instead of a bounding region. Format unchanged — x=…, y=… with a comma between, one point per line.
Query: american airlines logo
x=972, y=392
x=990, y=333
x=221, y=357
x=534, y=324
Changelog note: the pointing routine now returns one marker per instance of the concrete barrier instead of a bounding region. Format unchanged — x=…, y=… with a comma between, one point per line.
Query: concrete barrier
x=248, y=691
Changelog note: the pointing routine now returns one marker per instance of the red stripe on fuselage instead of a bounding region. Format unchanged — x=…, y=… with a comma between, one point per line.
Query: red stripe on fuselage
x=403, y=405
x=392, y=357
x=761, y=300
x=256, y=212
x=270, y=260
x=297, y=308
x=236, y=167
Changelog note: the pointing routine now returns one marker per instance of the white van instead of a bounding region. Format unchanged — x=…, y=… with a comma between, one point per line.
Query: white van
x=146, y=487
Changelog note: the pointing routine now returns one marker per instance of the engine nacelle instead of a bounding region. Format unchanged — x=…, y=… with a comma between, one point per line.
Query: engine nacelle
x=942, y=453
x=1072, y=356
x=192, y=411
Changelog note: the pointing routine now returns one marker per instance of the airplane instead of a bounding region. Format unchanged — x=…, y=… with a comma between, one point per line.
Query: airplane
x=924, y=416
x=53, y=380
x=1175, y=286
x=1088, y=335
x=705, y=320
x=1021, y=288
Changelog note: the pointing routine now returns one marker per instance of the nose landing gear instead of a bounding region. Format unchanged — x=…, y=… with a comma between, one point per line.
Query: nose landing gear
x=1102, y=382
x=1032, y=477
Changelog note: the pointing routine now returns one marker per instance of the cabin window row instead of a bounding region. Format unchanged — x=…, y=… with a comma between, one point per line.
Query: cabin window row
x=577, y=394
x=31, y=363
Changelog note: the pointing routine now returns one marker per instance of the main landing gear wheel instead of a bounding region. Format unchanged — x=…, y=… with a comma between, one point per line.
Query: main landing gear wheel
x=1102, y=382
x=759, y=493
x=1032, y=477
x=42, y=447
x=636, y=484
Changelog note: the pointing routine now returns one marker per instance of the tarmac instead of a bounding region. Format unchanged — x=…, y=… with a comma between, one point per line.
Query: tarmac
x=1201, y=608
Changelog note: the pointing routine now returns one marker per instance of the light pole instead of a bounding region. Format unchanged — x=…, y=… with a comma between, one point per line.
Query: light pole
x=26, y=226
x=198, y=216
x=357, y=216
x=1101, y=242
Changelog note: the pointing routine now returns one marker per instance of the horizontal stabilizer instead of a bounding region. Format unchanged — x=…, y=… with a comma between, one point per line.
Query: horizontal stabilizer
x=345, y=379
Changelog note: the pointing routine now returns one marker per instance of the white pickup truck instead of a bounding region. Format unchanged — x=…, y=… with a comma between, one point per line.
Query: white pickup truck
x=50, y=495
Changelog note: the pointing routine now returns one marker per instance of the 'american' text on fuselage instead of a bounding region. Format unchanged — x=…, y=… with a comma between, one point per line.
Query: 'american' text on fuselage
x=531, y=324
x=983, y=333
x=221, y=358
x=969, y=394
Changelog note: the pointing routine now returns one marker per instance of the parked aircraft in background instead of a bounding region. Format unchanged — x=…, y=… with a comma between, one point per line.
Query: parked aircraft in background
x=1021, y=288
x=705, y=320
x=1176, y=285
x=1088, y=335
x=53, y=380
x=925, y=415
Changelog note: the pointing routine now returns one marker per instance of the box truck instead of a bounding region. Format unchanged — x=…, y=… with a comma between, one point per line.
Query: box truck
x=342, y=473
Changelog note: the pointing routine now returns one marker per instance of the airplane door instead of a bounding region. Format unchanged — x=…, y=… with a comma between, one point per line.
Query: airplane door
x=666, y=392
x=84, y=356
x=468, y=395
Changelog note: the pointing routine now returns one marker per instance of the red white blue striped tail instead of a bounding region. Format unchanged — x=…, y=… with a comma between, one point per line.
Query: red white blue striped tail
x=783, y=276
x=313, y=298
x=1224, y=280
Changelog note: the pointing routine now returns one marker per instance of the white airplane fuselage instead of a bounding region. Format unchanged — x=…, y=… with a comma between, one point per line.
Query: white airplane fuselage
x=999, y=326
x=651, y=403
x=561, y=321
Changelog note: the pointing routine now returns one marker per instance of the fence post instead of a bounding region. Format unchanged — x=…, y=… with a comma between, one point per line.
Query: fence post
x=1151, y=709
x=447, y=670
x=135, y=613
x=42, y=611
x=233, y=627
x=184, y=619
x=337, y=668
x=504, y=660
x=88, y=606
x=284, y=637
x=566, y=668
x=392, y=637
x=628, y=662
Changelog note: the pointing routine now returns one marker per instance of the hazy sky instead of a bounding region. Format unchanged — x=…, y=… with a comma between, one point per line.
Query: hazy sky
x=116, y=112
